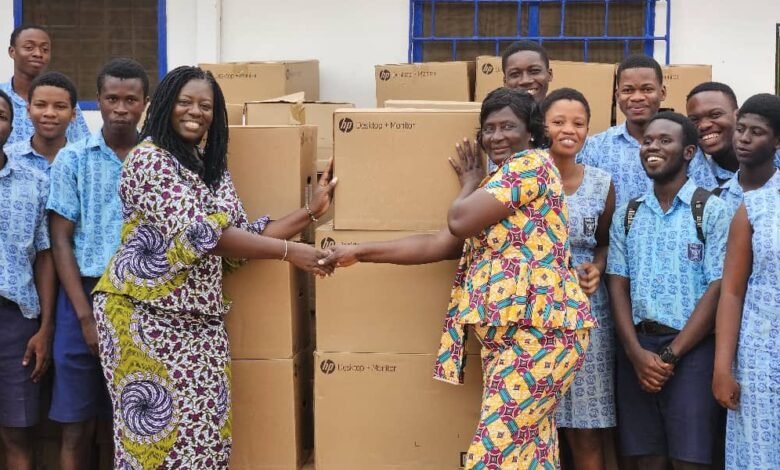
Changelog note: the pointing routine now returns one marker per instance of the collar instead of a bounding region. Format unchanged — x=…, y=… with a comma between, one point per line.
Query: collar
x=733, y=186
x=98, y=141
x=24, y=148
x=622, y=132
x=683, y=196
x=8, y=88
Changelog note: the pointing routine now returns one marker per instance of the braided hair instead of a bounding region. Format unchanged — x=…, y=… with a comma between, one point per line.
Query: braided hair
x=213, y=162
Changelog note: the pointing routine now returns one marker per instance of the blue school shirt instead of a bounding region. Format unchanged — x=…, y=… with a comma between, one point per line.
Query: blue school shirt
x=85, y=190
x=732, y=193
x=617, y=152
x=23, y=233
x=23, y=127
x=709, y=175
x=668, y=266
x=23, y=152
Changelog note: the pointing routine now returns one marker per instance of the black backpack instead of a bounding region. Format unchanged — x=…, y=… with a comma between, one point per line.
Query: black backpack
x=699, y=200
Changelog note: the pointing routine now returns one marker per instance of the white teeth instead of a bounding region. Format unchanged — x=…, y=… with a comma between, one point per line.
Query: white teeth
x=192, y=126
x=710, y=136
x=568, y=141
x=654, y=159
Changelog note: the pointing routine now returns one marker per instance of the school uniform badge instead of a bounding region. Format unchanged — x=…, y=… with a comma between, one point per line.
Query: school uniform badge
x=695, y=252
x=589, y=226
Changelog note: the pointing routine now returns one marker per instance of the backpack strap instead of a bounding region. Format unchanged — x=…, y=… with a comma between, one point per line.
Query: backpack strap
x=717, y=191
x=698, y=201
x=628, y=219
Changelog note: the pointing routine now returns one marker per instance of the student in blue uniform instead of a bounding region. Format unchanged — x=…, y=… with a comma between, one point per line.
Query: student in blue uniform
x=30, y=49
x=746, y=379
x=664, y=267
x=27, y=284
x=86, y=221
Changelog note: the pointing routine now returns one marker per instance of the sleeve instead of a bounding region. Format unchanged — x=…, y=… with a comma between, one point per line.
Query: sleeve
x=170, y=231
x=41, y=240
x=240, y=220
x=64, y=198
x=78, y=129
x=716, y=224
x=617, y=256
x=521, y=180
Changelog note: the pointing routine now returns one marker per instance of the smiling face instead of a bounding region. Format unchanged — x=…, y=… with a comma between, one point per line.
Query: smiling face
x=31, y=52
x=193, y=111
x=662, y=151
x=121, y=102
x=566, y=123
x=715, y=117
x=526, y=70
x=639, y=94
x=50, y=111
x=503, y=134
x=755, y=142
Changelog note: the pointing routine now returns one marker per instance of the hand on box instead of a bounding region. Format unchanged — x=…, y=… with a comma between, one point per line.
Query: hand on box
x=323, y=192
x=469, y=166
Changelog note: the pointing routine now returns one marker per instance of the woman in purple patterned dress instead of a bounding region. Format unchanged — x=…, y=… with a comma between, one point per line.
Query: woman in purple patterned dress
x=159, y=306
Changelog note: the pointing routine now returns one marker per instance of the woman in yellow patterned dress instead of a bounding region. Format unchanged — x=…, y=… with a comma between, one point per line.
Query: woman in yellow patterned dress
x=159, y=305
x=515, y=285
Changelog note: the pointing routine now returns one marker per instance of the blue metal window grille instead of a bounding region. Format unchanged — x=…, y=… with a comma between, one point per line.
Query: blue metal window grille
x=162, y=45
x=528, y=24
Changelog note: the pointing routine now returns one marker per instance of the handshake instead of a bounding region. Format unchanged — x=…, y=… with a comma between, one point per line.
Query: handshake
x=323, y=262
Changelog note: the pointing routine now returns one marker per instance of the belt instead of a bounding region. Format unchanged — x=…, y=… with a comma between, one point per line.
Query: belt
x=6, y=302
x=653, y=328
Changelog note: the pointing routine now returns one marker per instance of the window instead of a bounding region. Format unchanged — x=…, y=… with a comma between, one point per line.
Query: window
x=578, y=30
x=87, y=33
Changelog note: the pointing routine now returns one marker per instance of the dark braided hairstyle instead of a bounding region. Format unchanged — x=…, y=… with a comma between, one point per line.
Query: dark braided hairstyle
x=213, y=162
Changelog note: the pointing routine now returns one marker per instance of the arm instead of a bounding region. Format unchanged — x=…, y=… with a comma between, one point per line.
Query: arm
x=295, y=222
x=416, y=249
x=40, y=344
x=70, y=276
x=590, y=273
x=736, y=272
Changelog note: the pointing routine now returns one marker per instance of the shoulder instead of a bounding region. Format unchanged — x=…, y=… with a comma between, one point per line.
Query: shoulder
x=30, y=174
x=716, y=208
x=70, y=154
x=148, y=158
x=17, y=148
x=761, y=200
x=597, y=175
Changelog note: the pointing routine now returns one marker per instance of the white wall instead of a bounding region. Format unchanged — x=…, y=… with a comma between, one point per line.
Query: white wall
x=349, y=37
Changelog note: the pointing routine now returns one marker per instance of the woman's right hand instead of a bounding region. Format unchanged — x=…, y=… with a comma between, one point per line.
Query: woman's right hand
x=310, y=259
x=726, y=389
x=470, y=166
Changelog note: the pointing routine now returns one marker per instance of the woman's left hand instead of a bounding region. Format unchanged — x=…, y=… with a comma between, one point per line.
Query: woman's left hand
x=323, y=192
x=589, y=276
x=470, y=168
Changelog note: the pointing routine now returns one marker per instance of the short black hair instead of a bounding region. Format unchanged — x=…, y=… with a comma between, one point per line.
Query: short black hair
x=213, y=164
x=55, y=79
x=714, y=86
x=689, y=133
x=564, y=94
x=23, y=27
x=765, y=105
x=640, y=61
x=4, y=96
x=522, y=105
x=524, y=45
x=124, y=68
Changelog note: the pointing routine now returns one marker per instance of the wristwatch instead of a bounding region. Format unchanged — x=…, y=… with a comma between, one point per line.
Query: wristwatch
x=668, y=356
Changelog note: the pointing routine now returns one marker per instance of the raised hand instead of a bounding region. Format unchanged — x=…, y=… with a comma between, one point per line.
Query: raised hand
x=469, y=166
x=323, y=193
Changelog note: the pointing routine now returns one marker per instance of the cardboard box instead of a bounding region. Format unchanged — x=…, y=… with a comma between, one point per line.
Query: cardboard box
x=447, y=81
x=679, y=81
x=393, y=169
x=249, y=81
x=385, y=411
x=422, y=104
x=594, y=80
x=272, y=167
x=289, y=112
x=272, y=413
x=269, y=317
x=382, y=307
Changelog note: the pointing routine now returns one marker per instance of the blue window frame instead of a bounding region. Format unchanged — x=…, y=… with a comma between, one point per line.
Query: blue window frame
x=161, y=46
x=473, y=28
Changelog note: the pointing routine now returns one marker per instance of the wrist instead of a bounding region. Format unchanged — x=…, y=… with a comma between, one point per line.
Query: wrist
x=312, y=214
x=46, y=328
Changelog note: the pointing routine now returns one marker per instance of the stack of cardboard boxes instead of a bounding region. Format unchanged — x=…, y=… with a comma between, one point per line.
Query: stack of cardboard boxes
x=378, y=326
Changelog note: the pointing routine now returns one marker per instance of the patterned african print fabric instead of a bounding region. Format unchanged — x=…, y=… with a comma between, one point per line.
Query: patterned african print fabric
x=518, y=271
x=753, y=430
x=159, y=310
x=590, y=402
x=526, y=371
